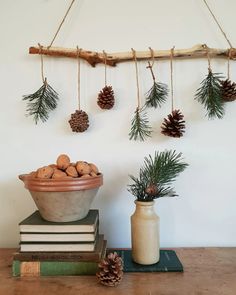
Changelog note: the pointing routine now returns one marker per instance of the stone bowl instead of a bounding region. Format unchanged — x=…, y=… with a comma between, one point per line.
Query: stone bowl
x=65, y=199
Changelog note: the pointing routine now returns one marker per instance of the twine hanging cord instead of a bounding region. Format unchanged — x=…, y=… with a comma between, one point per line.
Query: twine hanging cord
x=208, y=57
x=105, y=63
x=171, y=77
x=78, y=50
x=61, y=23
x=224, y=34
x=150, y=65
x=137, y=80
x=42, y=66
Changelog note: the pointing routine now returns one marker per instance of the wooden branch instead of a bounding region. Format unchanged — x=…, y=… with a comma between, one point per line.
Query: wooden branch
x=94, y=58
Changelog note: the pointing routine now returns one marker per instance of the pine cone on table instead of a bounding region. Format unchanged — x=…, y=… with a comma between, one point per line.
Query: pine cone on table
x=228, y=90
x=79, y=121
x=110, y=270
x=173, y=126
x=106, y=98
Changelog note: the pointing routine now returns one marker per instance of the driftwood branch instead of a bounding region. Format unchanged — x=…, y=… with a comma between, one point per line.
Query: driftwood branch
x=94, y=58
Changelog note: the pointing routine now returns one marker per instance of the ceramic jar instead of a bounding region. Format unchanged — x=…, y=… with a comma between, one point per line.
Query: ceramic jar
x=145, y=234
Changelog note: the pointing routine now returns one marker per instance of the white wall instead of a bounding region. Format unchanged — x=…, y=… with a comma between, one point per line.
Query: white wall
x=204, y=214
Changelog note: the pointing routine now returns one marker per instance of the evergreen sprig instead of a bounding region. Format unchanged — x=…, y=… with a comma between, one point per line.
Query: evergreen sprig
x=157, y=95
x=140, y=128
x=41, y=102
x=210, y=95
x=160, y=171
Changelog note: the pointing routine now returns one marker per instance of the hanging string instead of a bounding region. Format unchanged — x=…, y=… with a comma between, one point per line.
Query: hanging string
x=78, y=62
x=41, y=58
x=228, y=66
x=224, y=34
x=150, y=66
x=53, y=39
x=105, y=63
x=171, y=77
x=137, y=80
x=208, y=57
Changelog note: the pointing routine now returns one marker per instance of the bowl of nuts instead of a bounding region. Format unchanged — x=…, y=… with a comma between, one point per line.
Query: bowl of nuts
x=64, y=191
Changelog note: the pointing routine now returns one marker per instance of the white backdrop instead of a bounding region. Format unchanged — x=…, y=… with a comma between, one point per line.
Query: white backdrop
x=204, y=214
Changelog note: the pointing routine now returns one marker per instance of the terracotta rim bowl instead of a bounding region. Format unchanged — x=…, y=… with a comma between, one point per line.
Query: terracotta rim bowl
x=65, y=199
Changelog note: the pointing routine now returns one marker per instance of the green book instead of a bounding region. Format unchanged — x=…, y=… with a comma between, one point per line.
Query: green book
x=36, y=224
x=53, y=268
x=168, y=262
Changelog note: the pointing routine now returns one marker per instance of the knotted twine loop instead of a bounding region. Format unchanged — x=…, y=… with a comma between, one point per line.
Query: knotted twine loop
x=137, y=80
x=150, y=66
x=171, y=77
x=42, y=66
x=105, y=63
x=208, y=57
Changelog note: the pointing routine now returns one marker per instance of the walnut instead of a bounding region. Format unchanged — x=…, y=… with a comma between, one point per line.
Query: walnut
x=63, y=161
x=93, y=174
x=71, y=171
x=45, y=172
x=93, y=167
x=83, y=168
x=85, y=176
x=59, y=174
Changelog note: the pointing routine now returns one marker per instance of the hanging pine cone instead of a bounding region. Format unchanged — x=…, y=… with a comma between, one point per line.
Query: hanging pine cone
x=228, y=90
x=106, y=98
x=79, y=121
x=111, y=270
x=173, y=126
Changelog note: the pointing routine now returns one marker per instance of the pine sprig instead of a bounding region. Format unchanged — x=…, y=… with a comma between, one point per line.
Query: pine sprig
x=160, y=171
x=210, y=95
x=140, y=128
x=157, y=95
x=41, y=102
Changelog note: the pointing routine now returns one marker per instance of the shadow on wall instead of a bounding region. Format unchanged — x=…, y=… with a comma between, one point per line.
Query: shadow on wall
x=15, y=206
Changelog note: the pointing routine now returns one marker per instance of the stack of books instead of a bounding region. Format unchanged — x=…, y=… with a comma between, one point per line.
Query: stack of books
x=59, y=248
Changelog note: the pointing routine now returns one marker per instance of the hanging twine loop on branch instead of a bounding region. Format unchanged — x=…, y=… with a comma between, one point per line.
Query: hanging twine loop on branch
x=42, y=65
x=150, y=65
x=137, y=79
x=78, y=81
x=171, y=77
x=105, y=66
x=208, y=57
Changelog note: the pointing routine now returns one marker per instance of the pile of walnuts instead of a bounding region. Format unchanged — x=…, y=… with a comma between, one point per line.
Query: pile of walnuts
x=65, y=169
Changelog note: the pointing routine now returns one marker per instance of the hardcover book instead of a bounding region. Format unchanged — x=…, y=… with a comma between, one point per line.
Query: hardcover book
x=58, y=237
x=168, y=262
x=36, y=224
x=64, y=256
x=56, y=268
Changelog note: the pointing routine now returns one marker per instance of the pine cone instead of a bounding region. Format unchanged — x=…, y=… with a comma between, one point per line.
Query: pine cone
x=106, y=98
x=79, y=121
x=228, y=90
x=111, y=270
x=173, y=126
x=151, y=190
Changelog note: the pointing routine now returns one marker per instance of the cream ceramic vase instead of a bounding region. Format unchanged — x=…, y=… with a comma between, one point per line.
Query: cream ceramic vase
x=145, y=234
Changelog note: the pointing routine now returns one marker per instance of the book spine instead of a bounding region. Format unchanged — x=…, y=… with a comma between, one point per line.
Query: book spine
x=68, y=257
x=49, y=268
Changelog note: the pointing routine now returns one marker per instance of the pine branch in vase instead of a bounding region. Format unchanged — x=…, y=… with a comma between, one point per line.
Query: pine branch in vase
x=156, y=176
x=41, y=102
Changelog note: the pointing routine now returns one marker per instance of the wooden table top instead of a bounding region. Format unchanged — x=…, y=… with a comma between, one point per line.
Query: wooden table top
x=206, y=271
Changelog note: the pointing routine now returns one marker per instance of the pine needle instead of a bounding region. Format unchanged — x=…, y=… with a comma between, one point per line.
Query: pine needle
x=161, y=170
x=41, y=102
x=140, y=128
x=157, y=95
x=210, y=95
